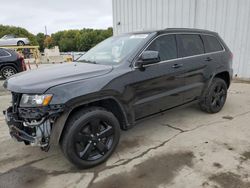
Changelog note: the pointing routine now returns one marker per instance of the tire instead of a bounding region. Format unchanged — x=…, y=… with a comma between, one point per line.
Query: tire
x=215, y=97
x=84, y=143
x=8, y=71
x=20, y=43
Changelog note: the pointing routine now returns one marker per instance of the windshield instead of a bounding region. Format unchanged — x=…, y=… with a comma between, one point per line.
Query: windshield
x=112, y=50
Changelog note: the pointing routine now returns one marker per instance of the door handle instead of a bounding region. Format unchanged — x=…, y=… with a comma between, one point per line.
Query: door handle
x=175, y=66
x=208, y=59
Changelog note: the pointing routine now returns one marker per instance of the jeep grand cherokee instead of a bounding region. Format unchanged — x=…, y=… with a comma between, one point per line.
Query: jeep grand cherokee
x=82, y=106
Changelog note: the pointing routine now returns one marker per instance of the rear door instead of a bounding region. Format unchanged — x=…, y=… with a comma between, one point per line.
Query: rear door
x=192, y=53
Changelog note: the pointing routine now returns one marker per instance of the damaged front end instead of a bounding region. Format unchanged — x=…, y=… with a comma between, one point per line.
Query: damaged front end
x=31, y=125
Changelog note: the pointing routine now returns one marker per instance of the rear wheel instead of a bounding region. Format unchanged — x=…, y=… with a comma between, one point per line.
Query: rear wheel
x=91, y=136
x=215, y=97
x=8, y=71
x=20, y=43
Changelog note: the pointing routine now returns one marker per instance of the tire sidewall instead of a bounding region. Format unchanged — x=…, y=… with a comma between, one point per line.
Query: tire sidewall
x=216, y=82
x=68, y=140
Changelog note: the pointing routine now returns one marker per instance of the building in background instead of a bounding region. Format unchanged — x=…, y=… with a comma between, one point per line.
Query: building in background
x=230, y=18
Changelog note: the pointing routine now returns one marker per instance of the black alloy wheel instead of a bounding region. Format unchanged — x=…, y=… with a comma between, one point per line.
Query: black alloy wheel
x=8, y=71
x=94, y=140
x=91, y=136
x=215, y=97
x=218, y=96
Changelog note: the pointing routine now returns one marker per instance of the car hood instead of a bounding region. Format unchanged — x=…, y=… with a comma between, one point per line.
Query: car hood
x=40, y=80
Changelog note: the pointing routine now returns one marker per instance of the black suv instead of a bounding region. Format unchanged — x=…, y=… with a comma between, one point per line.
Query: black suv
x=10, y=63
x=82, y=106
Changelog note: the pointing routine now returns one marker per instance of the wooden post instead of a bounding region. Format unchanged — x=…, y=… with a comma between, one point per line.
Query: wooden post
x=29, y=64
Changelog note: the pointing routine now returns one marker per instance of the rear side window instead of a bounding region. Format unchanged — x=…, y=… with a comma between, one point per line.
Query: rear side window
x=189, y=45
x=3, y=53
x=211, y=44
x=166, y=46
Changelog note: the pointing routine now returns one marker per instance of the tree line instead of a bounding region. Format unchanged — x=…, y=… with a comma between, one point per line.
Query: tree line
x=68, y=40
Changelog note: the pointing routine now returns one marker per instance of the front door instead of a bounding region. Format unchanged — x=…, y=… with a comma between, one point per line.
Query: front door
x=159, y=86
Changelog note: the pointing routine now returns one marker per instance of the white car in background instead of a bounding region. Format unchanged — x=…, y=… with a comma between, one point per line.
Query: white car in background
x=12, y=40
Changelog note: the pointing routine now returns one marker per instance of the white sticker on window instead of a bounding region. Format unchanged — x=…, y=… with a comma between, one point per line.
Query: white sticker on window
x=139, y=36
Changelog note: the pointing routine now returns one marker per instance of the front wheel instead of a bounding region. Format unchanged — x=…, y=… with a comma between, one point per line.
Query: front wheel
x=215, y=97
x=90, y=137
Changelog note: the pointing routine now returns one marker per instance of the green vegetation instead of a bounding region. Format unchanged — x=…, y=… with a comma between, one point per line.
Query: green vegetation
x=40, y=38
x=79, y=40
x=68, y=40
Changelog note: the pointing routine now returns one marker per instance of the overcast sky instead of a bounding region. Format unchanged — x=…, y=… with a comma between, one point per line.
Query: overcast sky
x=56, y=14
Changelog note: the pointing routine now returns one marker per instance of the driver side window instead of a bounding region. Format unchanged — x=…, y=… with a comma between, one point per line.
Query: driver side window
x=9, y=36
x=166, y=46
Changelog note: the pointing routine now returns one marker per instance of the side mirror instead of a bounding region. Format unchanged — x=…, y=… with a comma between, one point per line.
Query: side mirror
x=148, y=57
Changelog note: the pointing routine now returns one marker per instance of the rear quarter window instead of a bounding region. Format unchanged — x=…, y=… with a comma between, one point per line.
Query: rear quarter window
x=211, y=44
x=189, y=45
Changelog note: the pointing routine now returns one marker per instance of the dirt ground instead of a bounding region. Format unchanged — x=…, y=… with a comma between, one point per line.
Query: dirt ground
x=180, y=148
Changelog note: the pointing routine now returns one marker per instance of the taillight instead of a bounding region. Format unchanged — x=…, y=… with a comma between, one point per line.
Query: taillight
x=231, y=55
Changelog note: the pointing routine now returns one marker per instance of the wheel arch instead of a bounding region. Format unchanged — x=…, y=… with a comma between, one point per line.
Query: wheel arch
x=109, y=103
x=224, y=76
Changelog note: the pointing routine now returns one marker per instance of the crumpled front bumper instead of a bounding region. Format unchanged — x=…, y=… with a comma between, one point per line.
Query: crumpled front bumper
x=17, y=121
x=15, y=127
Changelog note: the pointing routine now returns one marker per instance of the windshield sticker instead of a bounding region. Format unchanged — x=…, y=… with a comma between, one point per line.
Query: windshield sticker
x=139, y=36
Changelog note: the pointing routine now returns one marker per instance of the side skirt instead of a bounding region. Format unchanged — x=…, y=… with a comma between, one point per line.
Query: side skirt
x=170, y=109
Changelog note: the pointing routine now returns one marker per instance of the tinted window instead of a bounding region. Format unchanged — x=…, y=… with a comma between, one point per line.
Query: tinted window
x=166, y=46
x=211, y=44
x=3, y=53
x=189, y=45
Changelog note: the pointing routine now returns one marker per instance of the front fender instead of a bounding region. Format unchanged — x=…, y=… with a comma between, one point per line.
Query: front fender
x=78, y=102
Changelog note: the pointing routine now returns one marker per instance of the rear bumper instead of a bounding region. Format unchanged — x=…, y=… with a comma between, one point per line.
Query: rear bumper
x=231, y=73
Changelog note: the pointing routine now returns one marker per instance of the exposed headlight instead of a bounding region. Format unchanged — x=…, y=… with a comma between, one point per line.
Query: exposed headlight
x=35, y=100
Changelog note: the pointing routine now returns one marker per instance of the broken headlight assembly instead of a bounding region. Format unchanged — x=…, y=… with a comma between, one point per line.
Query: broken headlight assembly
x=35, y=100
x=35, y=121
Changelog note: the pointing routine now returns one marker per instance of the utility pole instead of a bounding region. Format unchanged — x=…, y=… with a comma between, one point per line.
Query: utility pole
x=46, y=31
